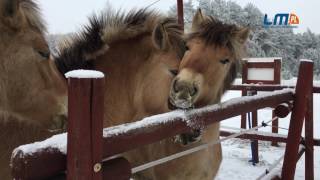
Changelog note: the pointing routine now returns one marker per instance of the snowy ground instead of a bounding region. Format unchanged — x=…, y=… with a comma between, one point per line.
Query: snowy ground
x=236, y=153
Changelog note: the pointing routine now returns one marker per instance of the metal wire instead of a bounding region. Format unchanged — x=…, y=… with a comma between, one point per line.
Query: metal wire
x=279, y=127
x=155, y=2
x=193, y=150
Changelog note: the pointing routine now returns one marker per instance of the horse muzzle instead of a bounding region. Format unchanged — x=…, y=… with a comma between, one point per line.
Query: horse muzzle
x=183, y=94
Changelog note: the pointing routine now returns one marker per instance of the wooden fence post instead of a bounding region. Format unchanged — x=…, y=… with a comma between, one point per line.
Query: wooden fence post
x=277, y=80
x=255, y=143
x=180, y=12
x=309, y=152
x=85, y=123
x=244, y=92
x=303, y=94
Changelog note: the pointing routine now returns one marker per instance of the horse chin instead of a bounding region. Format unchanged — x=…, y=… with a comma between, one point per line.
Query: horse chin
x=185, y=139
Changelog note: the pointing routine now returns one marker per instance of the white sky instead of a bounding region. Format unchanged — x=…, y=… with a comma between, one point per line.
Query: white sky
x=65, y=16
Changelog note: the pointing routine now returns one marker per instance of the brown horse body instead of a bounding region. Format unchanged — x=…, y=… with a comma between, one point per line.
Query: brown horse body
x=31, y=90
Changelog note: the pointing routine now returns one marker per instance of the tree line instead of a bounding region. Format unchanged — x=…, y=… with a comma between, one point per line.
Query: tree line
x=263, y=42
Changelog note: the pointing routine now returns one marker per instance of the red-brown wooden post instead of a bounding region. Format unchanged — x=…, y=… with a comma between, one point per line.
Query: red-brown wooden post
x=85, y=118
x=244, y=92
x=277, y=80
x=277, y=71
x=303, y=93
x=255, y=143
x=274, y=128
x=309, y=152
x=180, y=12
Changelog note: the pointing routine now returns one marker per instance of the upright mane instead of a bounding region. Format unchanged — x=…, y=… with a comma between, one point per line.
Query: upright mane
x=215, y=32
x=109, y=27
x=14, y=14
x=219, y=34
x=32, y=13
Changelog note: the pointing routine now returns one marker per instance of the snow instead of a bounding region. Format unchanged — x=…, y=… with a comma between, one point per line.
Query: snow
x=237, y=153
x=184, y=115
x=264, y=59
x=57, y=142
x=144, y=123
x=81, y=73
x=306, y=60
x=237, y=100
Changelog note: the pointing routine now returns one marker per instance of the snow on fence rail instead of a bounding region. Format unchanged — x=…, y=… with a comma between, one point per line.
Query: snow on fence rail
x=267, y=87
x=28, y=159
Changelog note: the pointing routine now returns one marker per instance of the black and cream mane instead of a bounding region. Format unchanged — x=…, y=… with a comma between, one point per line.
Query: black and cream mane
x=109, y=27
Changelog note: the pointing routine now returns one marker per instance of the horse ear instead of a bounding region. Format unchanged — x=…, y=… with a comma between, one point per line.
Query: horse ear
x=160, y=37
x=243, y=35
x=198, y=18
x=10, y=7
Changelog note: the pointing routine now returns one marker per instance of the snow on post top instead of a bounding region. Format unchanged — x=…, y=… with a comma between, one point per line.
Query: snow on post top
x=263, y=59
x=82, y=74
x=305, y=60
x=55, y=142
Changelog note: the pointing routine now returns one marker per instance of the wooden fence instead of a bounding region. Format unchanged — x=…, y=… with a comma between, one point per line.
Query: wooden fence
x=88, y=143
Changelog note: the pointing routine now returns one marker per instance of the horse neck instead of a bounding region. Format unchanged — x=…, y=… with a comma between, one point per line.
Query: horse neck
x=122, y=65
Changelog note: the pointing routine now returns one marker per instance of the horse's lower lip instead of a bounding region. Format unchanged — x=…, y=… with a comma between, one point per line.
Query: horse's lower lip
x=180, y=104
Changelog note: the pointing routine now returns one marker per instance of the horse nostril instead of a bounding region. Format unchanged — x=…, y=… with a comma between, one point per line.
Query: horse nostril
x=194, y=91
x=175, y=89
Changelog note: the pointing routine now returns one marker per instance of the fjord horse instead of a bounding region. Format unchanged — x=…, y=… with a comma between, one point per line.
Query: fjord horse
x=206, y=71
x=139, y=53
x=31, y=89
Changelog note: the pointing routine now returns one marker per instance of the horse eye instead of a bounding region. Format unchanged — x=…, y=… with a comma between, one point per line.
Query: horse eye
x=174, y=72
x=187, y=48
x=45, y=55
x=225, y=61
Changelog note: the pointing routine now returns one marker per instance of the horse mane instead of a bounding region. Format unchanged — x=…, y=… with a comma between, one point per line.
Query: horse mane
x=219, y=34
x=31, y=11
x=215, y=32
x=110, y=27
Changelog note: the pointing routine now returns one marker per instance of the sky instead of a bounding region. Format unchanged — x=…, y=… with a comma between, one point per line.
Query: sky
x=65, y=16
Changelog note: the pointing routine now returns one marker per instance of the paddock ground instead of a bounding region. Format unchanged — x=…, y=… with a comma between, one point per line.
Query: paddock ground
x=236, y=153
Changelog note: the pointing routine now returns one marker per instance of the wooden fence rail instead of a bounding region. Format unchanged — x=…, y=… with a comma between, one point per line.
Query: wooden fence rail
x=123, y=138
x=138, y=136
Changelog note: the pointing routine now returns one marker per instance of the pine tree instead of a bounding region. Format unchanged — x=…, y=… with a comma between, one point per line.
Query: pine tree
x=272, y=42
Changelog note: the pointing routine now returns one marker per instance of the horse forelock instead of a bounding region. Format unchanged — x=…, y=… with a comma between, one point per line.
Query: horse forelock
x=31, y=11
x=28, y=12
x=219, y=34
x=110, y=27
